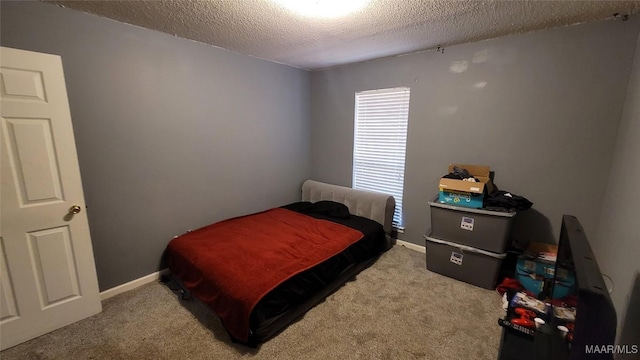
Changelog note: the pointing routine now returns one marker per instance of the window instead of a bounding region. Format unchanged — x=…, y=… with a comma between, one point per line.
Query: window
x=380, y=143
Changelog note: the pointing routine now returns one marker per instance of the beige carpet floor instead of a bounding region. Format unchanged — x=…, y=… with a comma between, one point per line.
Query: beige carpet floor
x=396, y=309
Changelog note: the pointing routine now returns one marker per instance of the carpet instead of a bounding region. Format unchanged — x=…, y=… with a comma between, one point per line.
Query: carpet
x=396, y=309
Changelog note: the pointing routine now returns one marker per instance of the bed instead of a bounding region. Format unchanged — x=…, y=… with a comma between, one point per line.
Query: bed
x=259, y=273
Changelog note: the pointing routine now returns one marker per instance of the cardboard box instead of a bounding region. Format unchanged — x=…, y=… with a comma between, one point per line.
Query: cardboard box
x=466, y=193
x=565, y=284
x=535, y=270
x=539, y=258
x=456, y=198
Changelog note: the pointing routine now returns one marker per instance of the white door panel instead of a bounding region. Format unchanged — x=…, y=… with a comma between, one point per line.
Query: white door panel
x=48, y=277
x=8, y=311
x=31, y=154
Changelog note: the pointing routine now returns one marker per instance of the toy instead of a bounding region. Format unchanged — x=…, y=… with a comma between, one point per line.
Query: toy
x=522, y=300
x=525, y=318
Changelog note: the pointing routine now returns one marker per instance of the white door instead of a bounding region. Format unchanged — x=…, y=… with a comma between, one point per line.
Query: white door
x=48, y=276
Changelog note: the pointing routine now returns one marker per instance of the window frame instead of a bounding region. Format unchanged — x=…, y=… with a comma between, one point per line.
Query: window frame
x=394, y=122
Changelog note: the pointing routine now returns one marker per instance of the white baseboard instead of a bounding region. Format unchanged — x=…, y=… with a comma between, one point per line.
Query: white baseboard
x=412, y=246
x=132, y=284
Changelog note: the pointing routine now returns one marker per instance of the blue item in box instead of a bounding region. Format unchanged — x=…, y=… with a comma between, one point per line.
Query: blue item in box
x=461, y=199
x=530, y=281
x=532, y=274
x=565, y=284
x=537, y=266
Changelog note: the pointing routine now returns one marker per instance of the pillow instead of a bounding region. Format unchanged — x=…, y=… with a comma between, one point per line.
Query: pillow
x=301, y=207
x=330, y=208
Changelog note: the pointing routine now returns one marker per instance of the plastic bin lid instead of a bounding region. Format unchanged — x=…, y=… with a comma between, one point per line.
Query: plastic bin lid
x=473, y=210
x=466, y=248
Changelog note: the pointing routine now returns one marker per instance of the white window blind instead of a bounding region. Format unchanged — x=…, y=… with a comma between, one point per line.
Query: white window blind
x=381, y=118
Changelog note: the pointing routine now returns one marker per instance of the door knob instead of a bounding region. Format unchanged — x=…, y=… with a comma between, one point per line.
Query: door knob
x=75, y=209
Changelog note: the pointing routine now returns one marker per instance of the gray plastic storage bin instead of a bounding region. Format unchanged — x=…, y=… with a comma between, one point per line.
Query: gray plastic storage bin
x=481, y=229
x=464, y=263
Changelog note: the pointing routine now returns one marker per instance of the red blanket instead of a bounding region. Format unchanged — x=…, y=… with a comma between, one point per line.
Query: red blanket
x=232, y=264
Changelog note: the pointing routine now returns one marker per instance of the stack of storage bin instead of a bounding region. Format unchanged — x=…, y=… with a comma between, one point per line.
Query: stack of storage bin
x=467, y=244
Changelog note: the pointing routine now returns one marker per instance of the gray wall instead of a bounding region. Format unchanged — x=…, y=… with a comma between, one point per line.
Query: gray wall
x=542, y=109
x=171, y=134
x=617, y=244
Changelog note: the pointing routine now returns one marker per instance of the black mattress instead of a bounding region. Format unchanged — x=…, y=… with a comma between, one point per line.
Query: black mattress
x=299, y=293
x=295, y=296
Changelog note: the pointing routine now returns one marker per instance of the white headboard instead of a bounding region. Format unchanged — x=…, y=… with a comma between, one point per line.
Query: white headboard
x=372, y=205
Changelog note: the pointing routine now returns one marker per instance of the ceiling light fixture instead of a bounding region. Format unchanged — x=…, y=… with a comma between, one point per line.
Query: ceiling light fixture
x=323, y=8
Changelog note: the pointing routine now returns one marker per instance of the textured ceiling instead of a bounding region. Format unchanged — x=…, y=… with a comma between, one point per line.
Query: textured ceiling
x=264, y=29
